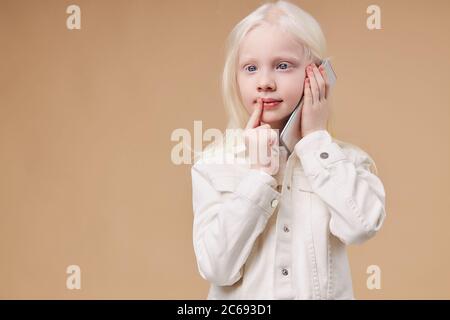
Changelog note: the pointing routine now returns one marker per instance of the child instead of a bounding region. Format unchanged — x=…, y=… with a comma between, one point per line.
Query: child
x=280, y=230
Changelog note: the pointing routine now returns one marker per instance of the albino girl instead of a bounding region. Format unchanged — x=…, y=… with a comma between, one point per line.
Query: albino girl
x=260, y=233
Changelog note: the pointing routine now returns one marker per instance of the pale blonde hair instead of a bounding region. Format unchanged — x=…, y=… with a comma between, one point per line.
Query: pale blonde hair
x=290, y=18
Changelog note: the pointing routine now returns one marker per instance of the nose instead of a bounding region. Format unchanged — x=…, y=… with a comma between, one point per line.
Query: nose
x=266, y=82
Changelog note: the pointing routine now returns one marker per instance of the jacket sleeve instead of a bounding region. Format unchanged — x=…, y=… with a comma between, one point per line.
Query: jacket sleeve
x=354, y=195
x=227, y=223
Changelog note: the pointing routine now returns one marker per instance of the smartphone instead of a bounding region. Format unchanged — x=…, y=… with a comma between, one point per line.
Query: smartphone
x=290, y=134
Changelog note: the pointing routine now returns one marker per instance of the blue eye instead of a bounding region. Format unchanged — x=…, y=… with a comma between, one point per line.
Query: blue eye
x=252, y=66
x=282, y=64
x=248, y=67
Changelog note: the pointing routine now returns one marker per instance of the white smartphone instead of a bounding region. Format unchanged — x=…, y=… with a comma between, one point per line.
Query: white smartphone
x=290, y=134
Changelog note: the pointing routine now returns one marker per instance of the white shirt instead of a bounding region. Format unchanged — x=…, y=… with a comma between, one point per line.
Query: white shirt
x=253, y=241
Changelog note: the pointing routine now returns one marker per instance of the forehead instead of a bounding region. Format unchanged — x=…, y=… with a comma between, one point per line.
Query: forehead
x=268, y=40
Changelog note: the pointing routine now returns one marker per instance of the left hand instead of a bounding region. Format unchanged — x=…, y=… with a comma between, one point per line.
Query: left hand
x=315, y=110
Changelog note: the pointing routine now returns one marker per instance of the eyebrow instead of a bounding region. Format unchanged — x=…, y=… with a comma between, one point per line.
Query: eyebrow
x=278, y=57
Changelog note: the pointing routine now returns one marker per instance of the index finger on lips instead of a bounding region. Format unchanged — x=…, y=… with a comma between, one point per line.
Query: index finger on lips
x=255, y=117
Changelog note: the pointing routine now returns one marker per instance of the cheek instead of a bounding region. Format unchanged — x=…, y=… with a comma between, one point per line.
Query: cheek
x=241, y=86
x=245, y=90
x=293, y=89
x=245, y=96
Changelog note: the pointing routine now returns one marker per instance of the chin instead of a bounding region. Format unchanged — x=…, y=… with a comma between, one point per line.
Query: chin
x=273, y=115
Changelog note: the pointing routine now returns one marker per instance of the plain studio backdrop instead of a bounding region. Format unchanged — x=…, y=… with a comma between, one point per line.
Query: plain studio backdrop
x=86, y=118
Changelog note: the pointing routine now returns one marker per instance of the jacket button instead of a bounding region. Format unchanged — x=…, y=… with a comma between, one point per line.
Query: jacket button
x=289, y=187
x=274, y=203
x=284, y=272
x=285, y=229
x=324, y=155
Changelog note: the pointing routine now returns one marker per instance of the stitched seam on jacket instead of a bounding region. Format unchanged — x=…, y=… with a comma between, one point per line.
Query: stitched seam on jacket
x=356, y=212
x=267, y=213
x=361, y=219
x=316, y=282
x=330, y=270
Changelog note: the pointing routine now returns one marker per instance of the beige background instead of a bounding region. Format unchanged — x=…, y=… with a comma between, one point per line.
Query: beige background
x=85, y=124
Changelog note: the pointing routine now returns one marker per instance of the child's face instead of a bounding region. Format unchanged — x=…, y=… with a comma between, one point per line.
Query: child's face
x=271, y=65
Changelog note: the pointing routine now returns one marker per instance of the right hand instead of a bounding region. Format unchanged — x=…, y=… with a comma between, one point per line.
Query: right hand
x=261, y=142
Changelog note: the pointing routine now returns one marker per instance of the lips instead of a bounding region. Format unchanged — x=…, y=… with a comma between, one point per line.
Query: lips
x=273, y=104
x=270, y=100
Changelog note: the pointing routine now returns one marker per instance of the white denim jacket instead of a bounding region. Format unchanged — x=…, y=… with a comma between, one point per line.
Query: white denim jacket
x=253, y=242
